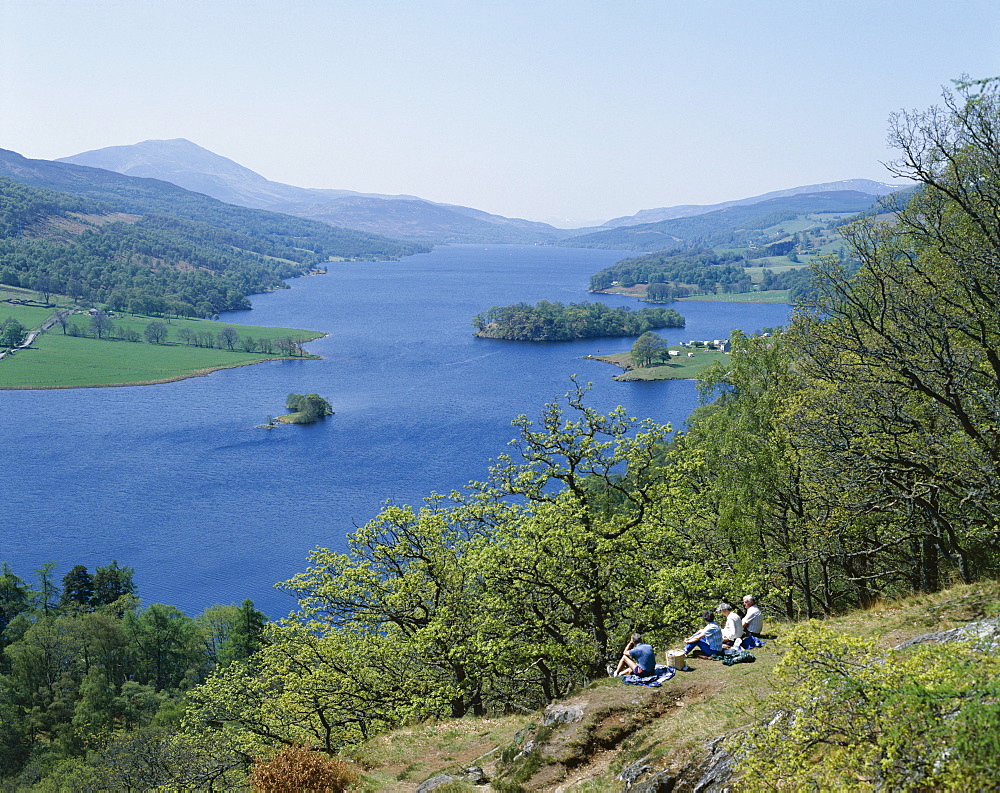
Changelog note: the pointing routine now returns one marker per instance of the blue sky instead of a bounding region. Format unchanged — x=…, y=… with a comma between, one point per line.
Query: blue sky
x=552, y=109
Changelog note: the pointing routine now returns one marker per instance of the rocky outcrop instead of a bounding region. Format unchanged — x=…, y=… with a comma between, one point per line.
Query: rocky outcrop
x=986, y=632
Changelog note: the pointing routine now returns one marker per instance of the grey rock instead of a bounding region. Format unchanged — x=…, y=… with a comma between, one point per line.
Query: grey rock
x=715, y=771
x=435, y=782
x=987, y=632
x=561, y=714
x=634, y=771
x=475, y=775
x=662, y=782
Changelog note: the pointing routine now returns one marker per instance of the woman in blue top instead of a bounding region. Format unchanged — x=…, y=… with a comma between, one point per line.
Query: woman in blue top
x=708, y=640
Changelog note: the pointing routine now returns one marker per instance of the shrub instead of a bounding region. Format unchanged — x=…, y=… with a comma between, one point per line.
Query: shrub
x=301, y=769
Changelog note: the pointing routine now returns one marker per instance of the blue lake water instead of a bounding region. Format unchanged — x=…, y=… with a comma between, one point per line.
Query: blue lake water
x=173, y=481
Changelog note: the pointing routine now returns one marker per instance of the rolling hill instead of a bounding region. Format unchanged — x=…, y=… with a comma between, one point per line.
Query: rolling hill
x=98, y=235
x=687, y=210
x=734, y=226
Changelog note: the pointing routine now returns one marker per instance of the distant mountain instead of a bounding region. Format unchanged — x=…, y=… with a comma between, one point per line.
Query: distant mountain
x=688, y=210
x=423, y=221
x=153, y=196
x=188, y=165
x=734, y=226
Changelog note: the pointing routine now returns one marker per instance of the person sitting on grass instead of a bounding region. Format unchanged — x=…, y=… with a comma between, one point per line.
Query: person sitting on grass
x=732, y=631
x=708, y=640
x=753, y=620
x=637, y=657
x=753, y=623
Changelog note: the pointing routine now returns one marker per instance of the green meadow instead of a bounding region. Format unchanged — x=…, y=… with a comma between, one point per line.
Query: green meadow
x=680, y=367
x=60, y=360
x=773, y=296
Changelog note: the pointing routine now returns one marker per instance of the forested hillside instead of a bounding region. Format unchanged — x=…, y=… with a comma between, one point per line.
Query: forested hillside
x=669, y=275
x=849, y=459
x=735, y=226
x=110, y=238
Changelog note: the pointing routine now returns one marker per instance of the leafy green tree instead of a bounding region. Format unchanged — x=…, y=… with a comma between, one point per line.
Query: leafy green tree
x=46, y=600
x=901, y=420
x=43, y=285
x=503, y=598
x=749, y=503
x=112, y=583
x=232, y=633
x=166, y=647
x=12, y=333
x=648, y=349
x=245, y=636
x=15, y=599
x=128, y=333
x=154, y=758
x=78, y=586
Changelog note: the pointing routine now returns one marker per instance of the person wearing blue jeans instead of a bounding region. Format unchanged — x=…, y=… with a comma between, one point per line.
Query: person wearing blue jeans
x=708, y=640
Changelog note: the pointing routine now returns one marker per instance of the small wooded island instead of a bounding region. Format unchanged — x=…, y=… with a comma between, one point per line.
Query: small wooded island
x=547, y=321
x=307, y=408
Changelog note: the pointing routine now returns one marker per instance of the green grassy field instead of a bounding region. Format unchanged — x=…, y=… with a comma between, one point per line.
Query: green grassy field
x=24, y=306
x=773, y=296
x=681, y=367
x=57, y=360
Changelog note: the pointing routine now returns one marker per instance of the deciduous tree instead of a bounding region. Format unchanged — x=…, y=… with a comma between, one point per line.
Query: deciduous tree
x=156, y=332
x=648, y=349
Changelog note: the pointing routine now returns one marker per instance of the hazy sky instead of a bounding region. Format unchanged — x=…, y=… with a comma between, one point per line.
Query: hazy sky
x=545, y=109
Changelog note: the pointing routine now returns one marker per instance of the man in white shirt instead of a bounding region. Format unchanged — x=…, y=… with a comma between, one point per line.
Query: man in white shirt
x=753, y=620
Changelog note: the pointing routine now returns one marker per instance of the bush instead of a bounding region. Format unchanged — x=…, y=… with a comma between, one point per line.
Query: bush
x=300, y=768
x=847, y=712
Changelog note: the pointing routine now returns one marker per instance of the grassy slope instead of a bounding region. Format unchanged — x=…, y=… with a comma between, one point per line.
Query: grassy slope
x=668, y=726
x=60, y=361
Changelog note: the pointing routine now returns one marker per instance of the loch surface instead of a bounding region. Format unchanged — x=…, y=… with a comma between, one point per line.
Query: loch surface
x=173, y=480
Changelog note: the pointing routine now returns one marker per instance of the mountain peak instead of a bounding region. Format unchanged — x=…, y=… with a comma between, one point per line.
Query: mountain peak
x=192, y=167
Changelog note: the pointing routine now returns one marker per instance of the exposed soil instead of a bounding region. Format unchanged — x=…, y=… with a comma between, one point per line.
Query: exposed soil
x=587, y=748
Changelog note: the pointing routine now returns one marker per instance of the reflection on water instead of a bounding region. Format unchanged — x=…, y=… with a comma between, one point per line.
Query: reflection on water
x=174, y=481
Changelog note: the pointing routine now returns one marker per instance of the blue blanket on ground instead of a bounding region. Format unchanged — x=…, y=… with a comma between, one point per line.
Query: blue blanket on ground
x=660, y=676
